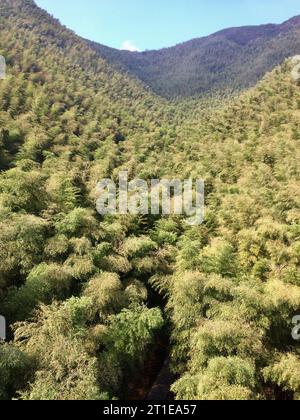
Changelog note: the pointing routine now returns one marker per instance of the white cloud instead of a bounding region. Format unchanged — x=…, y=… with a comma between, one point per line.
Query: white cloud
x=129, y=46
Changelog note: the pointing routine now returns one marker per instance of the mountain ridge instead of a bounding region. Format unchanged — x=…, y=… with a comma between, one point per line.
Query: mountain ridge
x=225, y=62
x=230, y=59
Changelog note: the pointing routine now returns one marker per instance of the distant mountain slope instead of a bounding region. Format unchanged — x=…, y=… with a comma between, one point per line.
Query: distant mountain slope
x=66, y=76
x=227, y=60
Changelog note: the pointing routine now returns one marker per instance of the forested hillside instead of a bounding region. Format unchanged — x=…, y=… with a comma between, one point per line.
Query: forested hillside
x=229, y=60
x=85, y=296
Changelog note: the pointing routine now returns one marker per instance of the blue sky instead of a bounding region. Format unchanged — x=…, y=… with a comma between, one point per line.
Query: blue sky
x=153, y=24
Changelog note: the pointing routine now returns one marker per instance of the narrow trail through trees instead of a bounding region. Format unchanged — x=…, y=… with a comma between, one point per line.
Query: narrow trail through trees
x=154, y=380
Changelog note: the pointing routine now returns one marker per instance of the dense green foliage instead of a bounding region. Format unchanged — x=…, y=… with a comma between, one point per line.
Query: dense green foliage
x=77, y=288
x=228, y=60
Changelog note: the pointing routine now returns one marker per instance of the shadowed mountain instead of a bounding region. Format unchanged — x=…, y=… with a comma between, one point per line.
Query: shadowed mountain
x=231, y=59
